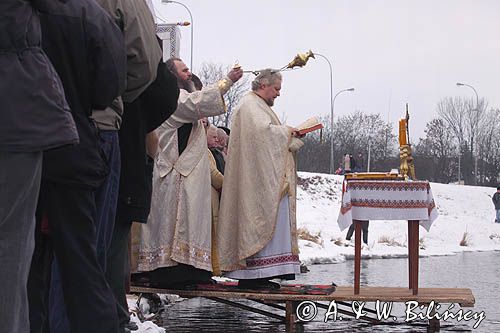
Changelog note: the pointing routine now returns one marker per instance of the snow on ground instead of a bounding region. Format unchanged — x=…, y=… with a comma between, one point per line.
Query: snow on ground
x=463, y=210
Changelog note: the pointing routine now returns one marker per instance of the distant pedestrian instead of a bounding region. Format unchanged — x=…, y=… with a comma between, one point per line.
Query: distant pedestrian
x=364, y=229
x=353, y=163
x=496, y=201
x=347, y=163
x=360, y=163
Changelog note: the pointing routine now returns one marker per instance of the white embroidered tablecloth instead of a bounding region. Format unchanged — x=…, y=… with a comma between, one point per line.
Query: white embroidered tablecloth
x=387, y=200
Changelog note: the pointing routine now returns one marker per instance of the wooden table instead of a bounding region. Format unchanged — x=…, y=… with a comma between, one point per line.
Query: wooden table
x=388, y=200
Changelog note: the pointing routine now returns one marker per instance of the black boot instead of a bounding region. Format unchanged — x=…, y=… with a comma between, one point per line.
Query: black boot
x=258, y=284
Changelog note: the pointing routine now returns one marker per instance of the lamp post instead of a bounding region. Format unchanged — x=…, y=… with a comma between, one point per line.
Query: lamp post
x=460, y=84
x=332, y=103
x=192, y=24
x=332, y=164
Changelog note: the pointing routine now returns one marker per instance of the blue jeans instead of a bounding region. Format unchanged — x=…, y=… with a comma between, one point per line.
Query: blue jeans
x=106, y=198
x=497, y=220
x=107, y=195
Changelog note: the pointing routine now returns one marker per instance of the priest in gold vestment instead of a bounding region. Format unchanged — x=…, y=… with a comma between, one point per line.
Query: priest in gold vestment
x=256, y=232
x=176, y=243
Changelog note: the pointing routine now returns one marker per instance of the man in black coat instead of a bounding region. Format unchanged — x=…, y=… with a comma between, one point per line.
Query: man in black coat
x=140, y=119
x=34, y=117
x=143, y=55
x=88, y=52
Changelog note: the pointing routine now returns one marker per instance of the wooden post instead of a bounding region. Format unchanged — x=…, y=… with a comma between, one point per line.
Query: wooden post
x=416, y=241
x=357, y=255
x=434, y=324
x=410, y=256
x=290, y=315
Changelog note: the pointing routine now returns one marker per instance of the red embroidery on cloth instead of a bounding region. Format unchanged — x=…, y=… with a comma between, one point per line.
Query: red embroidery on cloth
x=387, y=185
x=381, y=203
x=431, y=206
x=345, y=208
x=269, y=261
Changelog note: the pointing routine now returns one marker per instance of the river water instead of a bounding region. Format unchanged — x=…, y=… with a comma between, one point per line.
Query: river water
x=479, y=271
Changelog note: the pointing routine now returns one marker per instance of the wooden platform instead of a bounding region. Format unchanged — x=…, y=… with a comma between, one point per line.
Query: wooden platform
x=461, y=296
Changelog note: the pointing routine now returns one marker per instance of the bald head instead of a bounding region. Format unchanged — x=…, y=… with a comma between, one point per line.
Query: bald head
x=212, y=137
x=223, y=137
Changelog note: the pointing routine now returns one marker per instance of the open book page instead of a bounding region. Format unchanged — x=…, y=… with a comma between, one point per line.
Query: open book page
x=311, y=124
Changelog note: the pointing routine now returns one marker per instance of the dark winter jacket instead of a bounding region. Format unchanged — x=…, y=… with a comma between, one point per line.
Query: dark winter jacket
x=496, y=200
x=220, y=162
x=34, y=114
x=88, y=52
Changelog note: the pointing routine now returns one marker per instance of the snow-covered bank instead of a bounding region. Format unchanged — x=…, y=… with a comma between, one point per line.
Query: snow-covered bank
x=463, y=210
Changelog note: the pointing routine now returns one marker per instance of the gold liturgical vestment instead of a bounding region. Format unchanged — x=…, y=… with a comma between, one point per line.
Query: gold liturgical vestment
x=179, y=228
x=260, y=170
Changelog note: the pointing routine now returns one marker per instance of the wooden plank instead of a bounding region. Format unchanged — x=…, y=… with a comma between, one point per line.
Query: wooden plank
x=462, y=296
x=248, y=308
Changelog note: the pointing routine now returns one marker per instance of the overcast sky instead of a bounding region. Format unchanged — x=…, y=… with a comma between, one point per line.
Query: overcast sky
x=392, y=52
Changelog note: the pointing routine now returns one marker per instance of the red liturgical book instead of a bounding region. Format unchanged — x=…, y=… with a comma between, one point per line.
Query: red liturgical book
x=310, y=125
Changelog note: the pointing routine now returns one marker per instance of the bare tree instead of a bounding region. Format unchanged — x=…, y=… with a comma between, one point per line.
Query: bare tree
x=352, y=133
x=488, y=147
x=358, y=130
x=212, y=72
x=436, y=155
x=465, y=118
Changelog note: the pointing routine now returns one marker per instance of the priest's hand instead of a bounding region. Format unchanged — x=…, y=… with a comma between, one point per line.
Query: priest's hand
x=295, y=132
x=235, y=74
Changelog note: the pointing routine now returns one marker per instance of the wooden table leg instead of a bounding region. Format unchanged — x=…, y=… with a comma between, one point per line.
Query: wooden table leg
x=416, y=241
x=357, y=255
x=410, y=255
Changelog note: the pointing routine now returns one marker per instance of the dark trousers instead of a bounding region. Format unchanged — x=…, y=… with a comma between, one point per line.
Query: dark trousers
x=19, y=184
x=364, y=229
x=39, y=279
x=118, y=268
x=89, y=302
x=106, y=200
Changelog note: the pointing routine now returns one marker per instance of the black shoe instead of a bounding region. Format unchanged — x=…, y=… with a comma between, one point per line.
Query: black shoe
x=258, y=284
x=140, y=279
x=182, y=285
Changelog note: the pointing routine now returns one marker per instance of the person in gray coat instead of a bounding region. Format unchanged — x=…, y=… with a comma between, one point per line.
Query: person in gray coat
x=34, y=117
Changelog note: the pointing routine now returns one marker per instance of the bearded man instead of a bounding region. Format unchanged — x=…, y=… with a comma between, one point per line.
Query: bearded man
x=257, y=235
x=176, y=243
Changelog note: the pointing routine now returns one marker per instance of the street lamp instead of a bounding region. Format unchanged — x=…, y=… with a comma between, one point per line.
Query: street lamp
x=192, y=24
x=332, y=103
x=332, y=163
x=460, y=84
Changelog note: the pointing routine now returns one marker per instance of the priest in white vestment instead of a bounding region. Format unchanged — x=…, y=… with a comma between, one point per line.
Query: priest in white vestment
x=256, y=233
x=176, y=243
